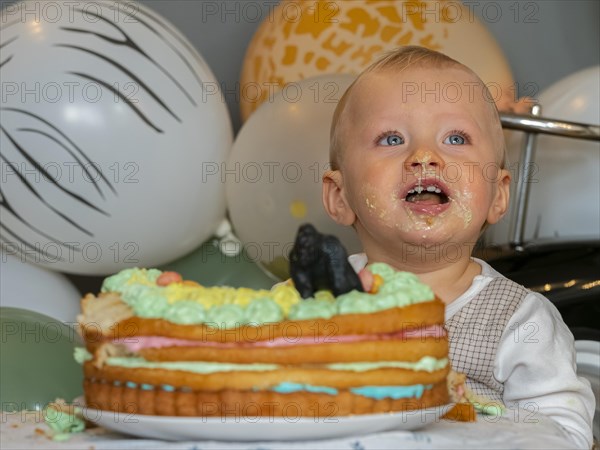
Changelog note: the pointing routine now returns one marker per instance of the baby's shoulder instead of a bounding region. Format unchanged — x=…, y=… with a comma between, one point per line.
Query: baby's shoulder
x=494, y=285
x=505, y=301
x=496, y=296
x=539, y=320
x=536, y=304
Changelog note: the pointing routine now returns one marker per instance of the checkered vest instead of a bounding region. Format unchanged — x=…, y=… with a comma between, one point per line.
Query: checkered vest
x=474, y=333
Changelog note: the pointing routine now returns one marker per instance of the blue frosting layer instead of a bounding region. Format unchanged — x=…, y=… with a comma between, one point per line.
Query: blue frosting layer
x=393, y=392
x=374, y=392
x=286, y=388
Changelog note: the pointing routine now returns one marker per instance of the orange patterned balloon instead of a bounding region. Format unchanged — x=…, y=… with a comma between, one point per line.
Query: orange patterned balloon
x=305, y=38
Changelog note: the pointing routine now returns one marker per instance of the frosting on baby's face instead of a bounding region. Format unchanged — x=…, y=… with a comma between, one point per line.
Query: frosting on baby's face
x=420, y=159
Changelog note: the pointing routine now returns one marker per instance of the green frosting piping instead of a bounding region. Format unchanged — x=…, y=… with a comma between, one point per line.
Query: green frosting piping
x=81, y=355
x=263, y=310
x=426, y=363
x=313, y=308
x=138, y=289
x=196, y=367
x=185, y=312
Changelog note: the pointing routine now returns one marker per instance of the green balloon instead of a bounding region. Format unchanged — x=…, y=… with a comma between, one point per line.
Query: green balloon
x=209, y=267
x=36, y=360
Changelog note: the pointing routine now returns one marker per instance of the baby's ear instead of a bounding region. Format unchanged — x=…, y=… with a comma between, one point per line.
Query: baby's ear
x=501, y=199
x=334, y=198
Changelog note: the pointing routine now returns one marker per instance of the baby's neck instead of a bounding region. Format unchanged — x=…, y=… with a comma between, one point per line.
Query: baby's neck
x=452, y=281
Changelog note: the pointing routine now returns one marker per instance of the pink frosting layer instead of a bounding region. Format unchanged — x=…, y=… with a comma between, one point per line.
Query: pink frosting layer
x=134, y=344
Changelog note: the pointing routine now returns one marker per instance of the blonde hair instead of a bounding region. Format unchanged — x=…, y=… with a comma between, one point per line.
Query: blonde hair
x=400, y=59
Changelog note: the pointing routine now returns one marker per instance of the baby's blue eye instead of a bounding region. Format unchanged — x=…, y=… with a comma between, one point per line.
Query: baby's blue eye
x=455, y=139
x=392, y=139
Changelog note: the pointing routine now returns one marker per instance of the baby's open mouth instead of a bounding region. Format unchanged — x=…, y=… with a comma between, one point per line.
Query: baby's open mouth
x=427, y=194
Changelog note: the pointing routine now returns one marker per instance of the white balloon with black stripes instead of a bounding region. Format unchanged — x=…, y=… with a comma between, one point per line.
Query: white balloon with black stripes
x=109, y=118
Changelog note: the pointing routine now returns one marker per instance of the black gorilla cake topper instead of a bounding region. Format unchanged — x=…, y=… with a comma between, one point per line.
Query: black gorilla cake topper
x=319, y=261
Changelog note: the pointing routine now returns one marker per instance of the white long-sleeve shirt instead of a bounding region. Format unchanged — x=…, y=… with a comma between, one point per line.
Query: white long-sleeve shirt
x=535, y=360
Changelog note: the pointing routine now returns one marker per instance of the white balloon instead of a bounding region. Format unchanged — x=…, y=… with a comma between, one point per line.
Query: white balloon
x=273, y=176
x=109, y=117
x=30, y=287
x=564, y=197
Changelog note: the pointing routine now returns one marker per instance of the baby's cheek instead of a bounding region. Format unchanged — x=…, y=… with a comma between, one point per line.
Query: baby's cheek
x=374, y=205
x=462, y=207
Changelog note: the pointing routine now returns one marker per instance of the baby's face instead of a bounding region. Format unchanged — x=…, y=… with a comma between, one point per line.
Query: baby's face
x=420, y=156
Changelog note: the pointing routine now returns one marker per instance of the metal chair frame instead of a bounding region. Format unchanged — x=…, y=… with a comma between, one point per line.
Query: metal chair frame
x=533, y=125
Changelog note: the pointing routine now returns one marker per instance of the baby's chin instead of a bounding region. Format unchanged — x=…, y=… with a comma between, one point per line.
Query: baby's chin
x=449, y=238
x=430, y=241
x=449, y=235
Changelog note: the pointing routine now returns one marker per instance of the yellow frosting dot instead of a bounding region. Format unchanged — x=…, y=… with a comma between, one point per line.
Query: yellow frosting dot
x=285, y=296
x=325, y=295
x=298, y=209
x=140, y=278
x=178, y=291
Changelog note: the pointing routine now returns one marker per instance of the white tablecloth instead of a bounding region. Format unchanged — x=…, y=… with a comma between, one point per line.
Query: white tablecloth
x=516, y=429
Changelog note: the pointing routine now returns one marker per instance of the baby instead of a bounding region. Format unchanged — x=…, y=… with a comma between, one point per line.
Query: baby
x=417, y=156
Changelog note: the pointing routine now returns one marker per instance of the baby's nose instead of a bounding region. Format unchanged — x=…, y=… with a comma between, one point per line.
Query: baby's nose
x=424, y=160
x=415, y=164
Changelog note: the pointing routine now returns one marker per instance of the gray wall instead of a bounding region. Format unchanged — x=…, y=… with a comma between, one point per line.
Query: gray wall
x=544, y=40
